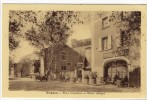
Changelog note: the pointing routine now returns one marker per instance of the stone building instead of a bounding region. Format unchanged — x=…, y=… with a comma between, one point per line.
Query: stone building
x=110, y=54
x=61, y=59
x=83, y=47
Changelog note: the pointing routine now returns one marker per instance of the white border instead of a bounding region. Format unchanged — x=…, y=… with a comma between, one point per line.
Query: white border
x=78, y=1
x=0, y=49
x=61, y=2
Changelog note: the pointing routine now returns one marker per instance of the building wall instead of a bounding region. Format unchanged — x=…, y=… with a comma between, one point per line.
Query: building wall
x=72, y=58
x=85, y=51
x=98, y=33
x=88, y=55
x=112, y=31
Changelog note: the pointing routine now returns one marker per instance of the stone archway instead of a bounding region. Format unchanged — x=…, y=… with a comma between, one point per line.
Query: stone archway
x=115, y=59
x=116, y=66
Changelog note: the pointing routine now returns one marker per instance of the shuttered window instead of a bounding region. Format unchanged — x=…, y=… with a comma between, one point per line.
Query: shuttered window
x=100, y=44
x=105, y=22
x=109, y=41
x=105, y=43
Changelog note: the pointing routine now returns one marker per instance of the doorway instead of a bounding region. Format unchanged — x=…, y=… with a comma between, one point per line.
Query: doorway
x=113, y=68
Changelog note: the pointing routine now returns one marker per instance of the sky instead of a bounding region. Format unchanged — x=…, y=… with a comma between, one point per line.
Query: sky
x=23, y=50
x=80, y=32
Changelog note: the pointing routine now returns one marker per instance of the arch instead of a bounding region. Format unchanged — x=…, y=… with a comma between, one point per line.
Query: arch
x=118, y=60
x=106, y=61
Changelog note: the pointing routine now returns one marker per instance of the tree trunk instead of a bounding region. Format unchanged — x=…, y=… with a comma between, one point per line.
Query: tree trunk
x=21, y=72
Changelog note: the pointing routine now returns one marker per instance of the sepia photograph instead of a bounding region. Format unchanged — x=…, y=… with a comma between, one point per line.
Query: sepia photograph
x=65, y=51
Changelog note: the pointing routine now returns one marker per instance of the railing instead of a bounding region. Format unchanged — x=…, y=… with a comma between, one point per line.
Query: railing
x=124, y=52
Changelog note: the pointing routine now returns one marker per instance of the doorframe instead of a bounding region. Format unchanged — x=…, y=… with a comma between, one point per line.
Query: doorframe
x=106, y=61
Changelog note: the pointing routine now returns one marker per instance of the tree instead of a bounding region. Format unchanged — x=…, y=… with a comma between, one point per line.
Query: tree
x=47, y=28
x=55, y=28
x=17, y=22
x=130, y=24
x=13, y=30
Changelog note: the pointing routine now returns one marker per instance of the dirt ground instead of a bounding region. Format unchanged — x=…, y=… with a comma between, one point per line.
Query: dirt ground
x=32, y=85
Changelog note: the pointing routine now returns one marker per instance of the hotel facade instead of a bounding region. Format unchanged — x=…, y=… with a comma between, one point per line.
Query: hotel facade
x=110, y=54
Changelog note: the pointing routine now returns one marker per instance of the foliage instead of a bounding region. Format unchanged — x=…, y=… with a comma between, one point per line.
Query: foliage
x=80, y=43
x=55, y=29
x=130, y=23
x=44, y=28
x=17, y=21
x=13, y=30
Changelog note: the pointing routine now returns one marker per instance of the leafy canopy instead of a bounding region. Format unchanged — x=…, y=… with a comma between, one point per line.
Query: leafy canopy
x=43, y=28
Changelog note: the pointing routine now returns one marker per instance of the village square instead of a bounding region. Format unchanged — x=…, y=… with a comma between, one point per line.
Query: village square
x=74, y=51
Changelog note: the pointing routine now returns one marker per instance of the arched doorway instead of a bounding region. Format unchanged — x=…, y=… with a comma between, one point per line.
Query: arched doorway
x=116, y=67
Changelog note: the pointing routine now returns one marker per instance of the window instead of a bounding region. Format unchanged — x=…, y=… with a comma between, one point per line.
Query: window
x=63, y=56
x=63, y=67
x=121, y=70
x=105, y=22
x=105, y=43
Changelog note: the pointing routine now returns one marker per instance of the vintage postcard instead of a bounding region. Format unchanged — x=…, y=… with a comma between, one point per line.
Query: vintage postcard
x=74, y=51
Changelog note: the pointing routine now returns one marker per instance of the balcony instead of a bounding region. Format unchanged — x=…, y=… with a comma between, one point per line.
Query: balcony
x=118, y=53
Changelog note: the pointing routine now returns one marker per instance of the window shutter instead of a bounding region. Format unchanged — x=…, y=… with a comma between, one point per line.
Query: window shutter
x=108, y=20
x=100, y=44
x=109, y=41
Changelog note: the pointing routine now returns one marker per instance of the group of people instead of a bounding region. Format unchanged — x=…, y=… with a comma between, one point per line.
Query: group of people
x=64, y=77
x=117, y=80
